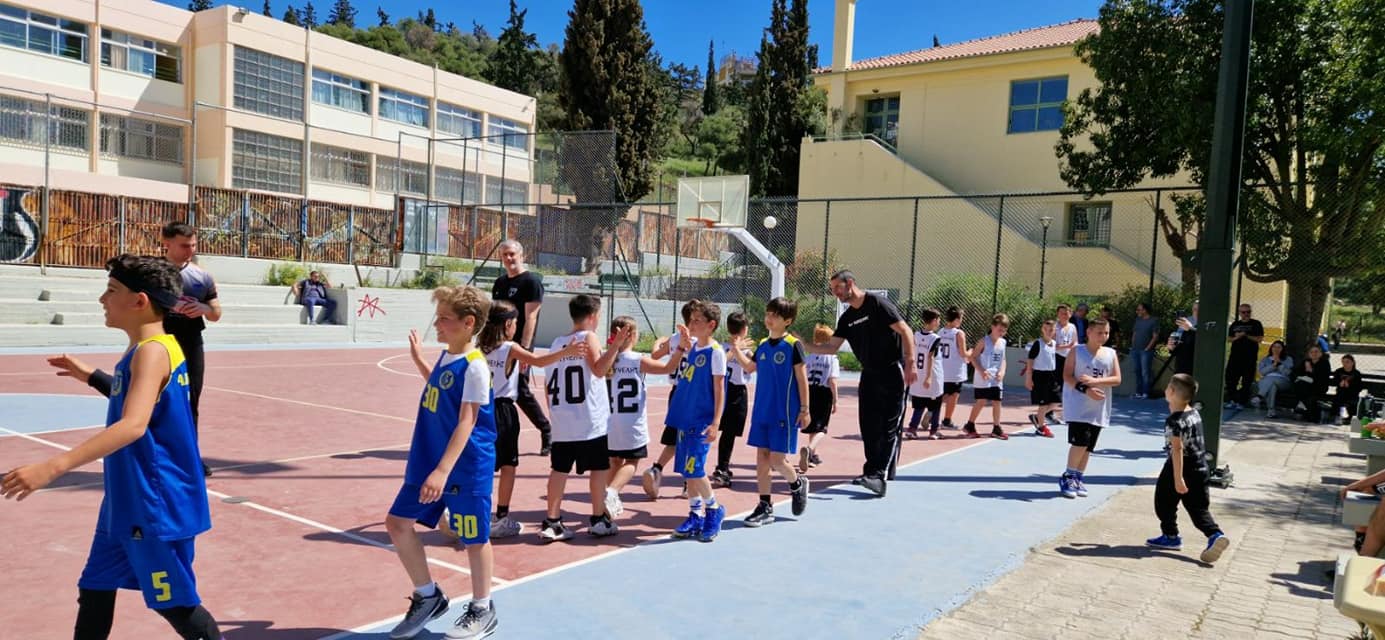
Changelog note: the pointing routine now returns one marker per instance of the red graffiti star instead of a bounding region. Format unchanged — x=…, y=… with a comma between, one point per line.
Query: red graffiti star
x=370, y=304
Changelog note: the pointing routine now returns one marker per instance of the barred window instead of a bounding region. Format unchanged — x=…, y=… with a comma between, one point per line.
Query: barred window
x=141, y=55
x=403, y=107
x=454, y=186
x=341, y=91
x=268, y=84
x=515, y=135
x=23, y=121
x=263, y=161
x=42, y=33
x=513, y=194
x=413, y=176
x=1089, y=224
x=139, y=138
x=342, y=166
x=459, y=121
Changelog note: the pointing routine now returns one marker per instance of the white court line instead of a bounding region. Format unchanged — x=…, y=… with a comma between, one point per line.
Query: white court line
x=12, y=432
x=221, y=367
x=288, y=516
x=313, y=404
x=381, y=364
x=460, y=600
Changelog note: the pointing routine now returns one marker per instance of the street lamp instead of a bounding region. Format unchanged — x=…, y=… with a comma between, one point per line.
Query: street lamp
x=1043, y=255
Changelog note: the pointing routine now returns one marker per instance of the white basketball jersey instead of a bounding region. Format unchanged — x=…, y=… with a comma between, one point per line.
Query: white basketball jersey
x=990, y=358
x=628, y=427
x=1045, y=359
x=735, y=373
x=1066, y=334
x=954, y=365
x=821, y=368
x=506, y=385
x=1077, y=407
x=926, y=347
x=577, y=401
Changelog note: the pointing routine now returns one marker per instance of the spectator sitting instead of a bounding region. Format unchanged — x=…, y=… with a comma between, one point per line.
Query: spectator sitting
x=313, y=292
x=1310, y=385
x=1276, y=371
x=1349, y=383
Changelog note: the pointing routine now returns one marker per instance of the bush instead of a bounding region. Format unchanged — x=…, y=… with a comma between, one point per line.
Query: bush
x=431, y=278
x=286, y=274
x=1168, y=302
x=972, y=293
x=848, y=361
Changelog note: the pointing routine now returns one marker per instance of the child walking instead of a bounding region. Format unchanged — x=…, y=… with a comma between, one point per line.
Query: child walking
x=926, y=394
x=1184, y=476
x=823, y=371
x=627, y=432
x=954, y=356
x=696, y=413
x=1042, y=377
x=1089, y=374
x=737, y=400
x=988, y=357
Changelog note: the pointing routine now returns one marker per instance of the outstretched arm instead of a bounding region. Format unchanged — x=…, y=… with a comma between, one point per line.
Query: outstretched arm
x=71, y=367
x=833, y=345
x=416, y=351
x=527, y=357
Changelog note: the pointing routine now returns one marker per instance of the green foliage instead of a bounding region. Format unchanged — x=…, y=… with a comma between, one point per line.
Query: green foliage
x=515, y=62
x=776, y=118
x=199, y=5
x=718, y=139
x=343, y=14
x=848, y=361
x=1368, y=289
x=291, y=17
x=267, y=10
x=805, y=276
x=711, y=93
x=286, y=274
x=972, y=293
x=431, y=278
x=308, y=15
x=1167, y=302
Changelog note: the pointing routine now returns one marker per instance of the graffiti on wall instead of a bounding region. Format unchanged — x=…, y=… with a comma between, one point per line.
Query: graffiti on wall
x=18, y=229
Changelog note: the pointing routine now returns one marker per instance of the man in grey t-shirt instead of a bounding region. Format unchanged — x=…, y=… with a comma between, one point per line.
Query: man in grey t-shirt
x=1144, y=336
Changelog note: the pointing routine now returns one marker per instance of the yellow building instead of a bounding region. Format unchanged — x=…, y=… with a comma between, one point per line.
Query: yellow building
x=968, y=119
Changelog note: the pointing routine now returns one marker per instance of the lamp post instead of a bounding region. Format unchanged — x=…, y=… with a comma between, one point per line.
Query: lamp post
x=1043, y=255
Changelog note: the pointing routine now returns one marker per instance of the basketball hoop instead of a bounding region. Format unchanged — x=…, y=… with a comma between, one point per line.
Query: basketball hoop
x=703, y=222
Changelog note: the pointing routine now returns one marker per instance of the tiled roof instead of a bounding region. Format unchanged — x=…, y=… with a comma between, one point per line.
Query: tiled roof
x=1065, y=34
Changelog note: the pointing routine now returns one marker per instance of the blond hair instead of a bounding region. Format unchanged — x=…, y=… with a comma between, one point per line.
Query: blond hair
x=465, y=301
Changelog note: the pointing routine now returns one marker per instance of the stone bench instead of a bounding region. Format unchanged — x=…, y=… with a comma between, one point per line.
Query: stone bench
x=1358, y=507
x=1353, y=594
x=1374, y=448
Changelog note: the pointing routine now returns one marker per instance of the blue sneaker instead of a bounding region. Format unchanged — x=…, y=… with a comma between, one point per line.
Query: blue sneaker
x=1067, y=486
x=1216, y=545
x=1080, y=487
x=691, y=527
x=1172, y=543
x=711, y=525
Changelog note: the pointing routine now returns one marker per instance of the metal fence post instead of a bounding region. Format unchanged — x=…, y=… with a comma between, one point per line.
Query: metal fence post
x=913, y=255
x=245, y=224
x=351, y=234
x=47, y=194
x=1154, y=243
x=192, y=164
x=120, y=221
x=826, y=230
x=677, y=252
x=303, y=231
x=999, y=233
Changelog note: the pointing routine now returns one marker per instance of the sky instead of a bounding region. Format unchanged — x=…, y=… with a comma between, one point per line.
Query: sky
x=681, y=29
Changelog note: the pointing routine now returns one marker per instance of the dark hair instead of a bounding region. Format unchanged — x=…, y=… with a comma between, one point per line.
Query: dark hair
x=687, y=310
x=1097, y=322
x=736, y=322
x=1062, y=306
x=583, y=306
x=928, y=315
x=845, y=275
x=1276, y=342
x=493, y=334
x=1184, y=386
x=1348, y=356
x=153, y=276
x=174, y=229
x=952, y=314
x=1148, y=307
x=708, y=310
x=783, y=307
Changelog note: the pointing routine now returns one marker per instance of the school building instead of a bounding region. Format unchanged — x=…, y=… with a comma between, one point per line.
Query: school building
x=277, y=109
x=969, y=118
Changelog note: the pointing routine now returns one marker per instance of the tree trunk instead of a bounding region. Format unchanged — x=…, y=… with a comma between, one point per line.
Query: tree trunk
x=596, y=249
x=1307, y=300
x=1190, y=273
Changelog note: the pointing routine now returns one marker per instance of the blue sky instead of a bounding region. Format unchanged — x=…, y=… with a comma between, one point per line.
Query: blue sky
x=682, y=28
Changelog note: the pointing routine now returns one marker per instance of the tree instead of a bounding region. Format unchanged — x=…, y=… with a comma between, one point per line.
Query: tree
x=711, y=97
x=342, y=13
x=430, y=20
x=777, y=116
x=717, y=140
x=609, y=82
x=1314, y=130
x=383, y=17
x=267, y=11
x=291, y=16
x=308, y=15
x=199, y=5
x=515, y=62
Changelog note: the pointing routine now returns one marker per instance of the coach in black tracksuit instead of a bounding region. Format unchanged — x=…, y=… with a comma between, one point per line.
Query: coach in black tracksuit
x=882, y=341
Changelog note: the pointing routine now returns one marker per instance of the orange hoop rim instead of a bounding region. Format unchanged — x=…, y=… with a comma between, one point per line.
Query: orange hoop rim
x=705, y=222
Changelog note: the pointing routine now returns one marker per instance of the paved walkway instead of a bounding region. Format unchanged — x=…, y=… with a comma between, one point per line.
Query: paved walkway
x=1097, y=580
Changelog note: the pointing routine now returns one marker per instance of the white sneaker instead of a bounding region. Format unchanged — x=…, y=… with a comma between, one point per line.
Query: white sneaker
x=803, y=454
x=506, y=527
x=603, y=529
x=1342, y=413
x=613, y=506
x=651, y=480
x=554, y=532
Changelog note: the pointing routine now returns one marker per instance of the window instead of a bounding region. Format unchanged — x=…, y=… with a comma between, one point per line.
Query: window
x=413, y=176
x=457, y=121
x=454, y=186
x=263, y=161
x=513, y=194
x=268, y=84
x=342, y=166
x=341, y=91
x=24, y=121
x=139, y=138
x=1037, y=105
x=882, y=118
x=42, y=33
x=516, y=135
x=1089, y=224
x=139, y=55
x=403, y=107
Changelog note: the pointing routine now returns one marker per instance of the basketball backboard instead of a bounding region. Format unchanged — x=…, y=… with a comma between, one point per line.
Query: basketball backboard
x=718, y=201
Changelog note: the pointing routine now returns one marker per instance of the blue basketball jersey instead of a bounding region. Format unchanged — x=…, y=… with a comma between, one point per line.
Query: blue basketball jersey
x=693, y=407
x=438, y=411
x=154, y=485
x=776, y=389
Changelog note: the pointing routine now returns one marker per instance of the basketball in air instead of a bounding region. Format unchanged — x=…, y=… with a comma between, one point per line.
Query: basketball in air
x=770, y=222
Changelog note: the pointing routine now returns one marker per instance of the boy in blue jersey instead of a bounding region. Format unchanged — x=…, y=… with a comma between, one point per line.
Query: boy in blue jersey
x=779, y=411
x=451, y=462
x=695, y=411
x=155, y=501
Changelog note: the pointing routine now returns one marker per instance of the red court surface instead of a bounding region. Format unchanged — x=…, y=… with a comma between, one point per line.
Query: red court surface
x=308, y=449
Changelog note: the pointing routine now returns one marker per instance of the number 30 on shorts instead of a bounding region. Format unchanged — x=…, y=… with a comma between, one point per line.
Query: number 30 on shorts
x=160, y=582
x=465, y=525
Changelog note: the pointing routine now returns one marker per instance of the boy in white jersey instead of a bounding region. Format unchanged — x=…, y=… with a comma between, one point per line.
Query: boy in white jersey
x=627, y=432
x=988, y=357
x=823, y=370
x=496, y=341
x=654, y=476
x=926, y=393
x=1065, y=337
x=737, y=400
x=954, y=355
x=1090, y=374
x=578, y=404
x=1042, y=378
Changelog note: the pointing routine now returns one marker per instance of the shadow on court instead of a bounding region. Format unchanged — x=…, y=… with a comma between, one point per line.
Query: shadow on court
x=253, y=629
x=1123, y=551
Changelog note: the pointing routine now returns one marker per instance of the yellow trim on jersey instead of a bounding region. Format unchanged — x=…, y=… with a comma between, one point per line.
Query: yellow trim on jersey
x=175, y=354
x=790, y=339
x=475, y=355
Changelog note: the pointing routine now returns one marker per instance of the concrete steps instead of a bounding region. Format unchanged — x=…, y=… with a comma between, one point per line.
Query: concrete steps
x=58, y=336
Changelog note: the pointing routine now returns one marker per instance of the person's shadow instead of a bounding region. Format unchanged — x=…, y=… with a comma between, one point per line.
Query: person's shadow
x=1123, y=551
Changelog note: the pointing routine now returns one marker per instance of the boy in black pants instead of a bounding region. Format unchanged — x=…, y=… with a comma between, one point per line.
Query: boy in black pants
x=1184, y=477
x=737, y=402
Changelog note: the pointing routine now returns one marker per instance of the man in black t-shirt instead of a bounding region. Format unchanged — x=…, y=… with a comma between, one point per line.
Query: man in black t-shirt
x=523, y=289
x=199, y=304
x=1245, y=335
x=882, y=341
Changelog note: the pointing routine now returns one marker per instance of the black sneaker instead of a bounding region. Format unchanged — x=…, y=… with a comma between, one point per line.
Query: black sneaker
x=858, y=480
x=969, y=430
x=875, y=485
x=546, y=445
x=814, y=460
x=947, y=423
x=762, y=515
x=999, y=434
x=1054, y=420
x=800, y=497
x=206, y=470
x=421, y=611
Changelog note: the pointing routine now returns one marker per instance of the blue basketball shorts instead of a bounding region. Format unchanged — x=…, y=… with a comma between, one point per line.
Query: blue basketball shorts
x=691, y=453
x=159, y=569
x=470, y=516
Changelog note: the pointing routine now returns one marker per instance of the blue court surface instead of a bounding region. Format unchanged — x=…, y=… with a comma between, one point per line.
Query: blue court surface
x=854, y=567
x=31, y=413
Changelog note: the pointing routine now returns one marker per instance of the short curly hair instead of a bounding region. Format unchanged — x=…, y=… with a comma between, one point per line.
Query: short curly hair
x=153, y=276
x=465, y=301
